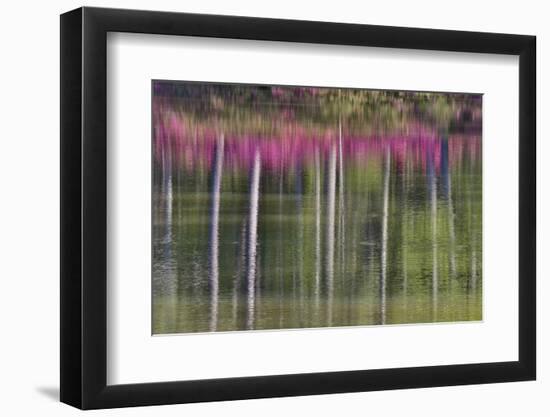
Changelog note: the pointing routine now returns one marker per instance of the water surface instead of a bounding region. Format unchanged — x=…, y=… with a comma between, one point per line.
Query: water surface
x=279, y=208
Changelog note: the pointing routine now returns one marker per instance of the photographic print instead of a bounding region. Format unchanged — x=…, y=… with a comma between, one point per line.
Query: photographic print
x=288, y=207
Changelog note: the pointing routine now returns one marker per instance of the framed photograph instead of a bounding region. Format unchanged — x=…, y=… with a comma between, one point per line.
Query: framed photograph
x=257, y=208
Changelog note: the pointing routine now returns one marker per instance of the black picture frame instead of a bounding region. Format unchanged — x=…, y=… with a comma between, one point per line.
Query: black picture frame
x=84, y=207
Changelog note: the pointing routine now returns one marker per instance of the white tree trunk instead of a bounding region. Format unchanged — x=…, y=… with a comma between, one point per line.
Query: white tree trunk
x=331, y=209
x=317, y=227
x=384, y=249
x=253, y=239
x=341, y=218
x=214, y=235
x=405, y=234
x=435, y=283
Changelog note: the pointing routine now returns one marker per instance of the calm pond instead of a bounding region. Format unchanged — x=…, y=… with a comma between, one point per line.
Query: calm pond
x=280, y=208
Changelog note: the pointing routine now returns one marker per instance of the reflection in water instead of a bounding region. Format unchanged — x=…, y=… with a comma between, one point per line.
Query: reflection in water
x=446, y=180
x=214, y=231
x=330, y=230
x=317, y=229
x=384, y=250
x=433, y=200
x=341, y=213
x=279, y=208
x=252, y=240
